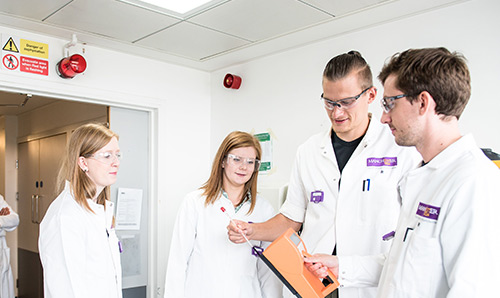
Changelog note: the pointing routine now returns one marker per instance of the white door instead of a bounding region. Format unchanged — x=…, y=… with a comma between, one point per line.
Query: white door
x=29, y=156
x=38, y=167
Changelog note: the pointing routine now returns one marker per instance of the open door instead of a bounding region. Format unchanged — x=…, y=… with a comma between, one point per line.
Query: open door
x=133, y=127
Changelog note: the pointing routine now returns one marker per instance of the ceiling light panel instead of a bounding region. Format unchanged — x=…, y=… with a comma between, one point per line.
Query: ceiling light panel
x=178, y=8
x=111, y=19
x=176, y=5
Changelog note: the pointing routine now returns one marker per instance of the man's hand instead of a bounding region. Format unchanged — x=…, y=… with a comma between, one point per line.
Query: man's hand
x=318, y=264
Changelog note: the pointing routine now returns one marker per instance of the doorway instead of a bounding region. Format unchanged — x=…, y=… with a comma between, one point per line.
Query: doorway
x=41, y=121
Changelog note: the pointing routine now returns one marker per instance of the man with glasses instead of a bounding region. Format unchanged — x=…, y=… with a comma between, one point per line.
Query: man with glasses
x=342, y=191
x=446, y=243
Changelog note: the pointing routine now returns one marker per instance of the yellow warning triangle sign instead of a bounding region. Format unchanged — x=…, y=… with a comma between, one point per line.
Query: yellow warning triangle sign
x=10, y=46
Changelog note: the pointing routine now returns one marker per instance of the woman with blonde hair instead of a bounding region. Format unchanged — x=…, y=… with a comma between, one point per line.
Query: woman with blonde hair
x=78, y=246
x=202, y=261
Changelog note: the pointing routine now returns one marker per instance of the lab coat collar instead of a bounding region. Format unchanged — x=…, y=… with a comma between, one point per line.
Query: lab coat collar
x=100, y=211
x=371, y=135
x=97, y=208
x=247, y=200
x=94, y=206
x=374, y=130
x=458, y=148
x=67, y=188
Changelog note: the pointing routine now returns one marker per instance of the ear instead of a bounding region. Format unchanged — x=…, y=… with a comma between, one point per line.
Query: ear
x=372, y=94
x=82, y=163
x=426, y=103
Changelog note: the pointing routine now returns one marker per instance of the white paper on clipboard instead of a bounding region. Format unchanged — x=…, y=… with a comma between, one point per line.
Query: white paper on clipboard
x=128, y=209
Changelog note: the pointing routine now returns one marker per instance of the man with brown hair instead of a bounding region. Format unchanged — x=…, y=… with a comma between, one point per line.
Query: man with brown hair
x=446, y=243
x=342, y=189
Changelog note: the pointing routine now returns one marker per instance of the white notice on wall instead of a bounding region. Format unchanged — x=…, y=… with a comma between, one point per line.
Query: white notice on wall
x=128, y=209
x=266, y=160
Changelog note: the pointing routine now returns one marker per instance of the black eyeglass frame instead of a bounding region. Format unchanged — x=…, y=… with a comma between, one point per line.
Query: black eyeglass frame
x=387, y=102
x=330, y=104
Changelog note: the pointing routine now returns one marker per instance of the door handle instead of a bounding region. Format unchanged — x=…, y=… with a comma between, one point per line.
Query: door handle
x=37, y=201
x=32, y=208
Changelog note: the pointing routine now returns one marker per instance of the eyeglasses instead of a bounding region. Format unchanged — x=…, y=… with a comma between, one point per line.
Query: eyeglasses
x=106, y=157
x=345, y=103
x=240, y=161
x=387, y=102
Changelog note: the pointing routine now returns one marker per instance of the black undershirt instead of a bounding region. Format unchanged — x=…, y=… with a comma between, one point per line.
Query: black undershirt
x=343, y=150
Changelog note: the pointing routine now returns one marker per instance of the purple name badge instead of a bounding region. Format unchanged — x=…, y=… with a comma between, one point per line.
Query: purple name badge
x=428, y=212
x=382, y=161
x=388, y=236
x=257, y=250
x=317, y=196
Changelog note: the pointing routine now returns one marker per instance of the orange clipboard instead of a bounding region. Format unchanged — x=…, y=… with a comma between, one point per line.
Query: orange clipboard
x=285, y=257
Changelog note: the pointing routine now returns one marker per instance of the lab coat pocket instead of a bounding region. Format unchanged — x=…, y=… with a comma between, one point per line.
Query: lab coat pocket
x=423, y=255
x=378, y=201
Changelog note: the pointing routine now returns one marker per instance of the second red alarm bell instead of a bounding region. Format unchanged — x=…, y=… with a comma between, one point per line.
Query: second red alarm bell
x=232, y=81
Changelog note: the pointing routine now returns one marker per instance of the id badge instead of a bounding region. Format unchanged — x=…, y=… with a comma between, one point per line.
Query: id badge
x=317, y=196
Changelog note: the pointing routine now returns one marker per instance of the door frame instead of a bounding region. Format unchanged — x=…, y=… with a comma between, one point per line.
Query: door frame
x=152, y=110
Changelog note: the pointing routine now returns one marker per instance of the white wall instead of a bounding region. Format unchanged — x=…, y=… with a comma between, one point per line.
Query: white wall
x=178, y=99
x=281, y=93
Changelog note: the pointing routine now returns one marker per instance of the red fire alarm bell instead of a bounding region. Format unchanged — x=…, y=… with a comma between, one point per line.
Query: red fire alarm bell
x=69, y=67
x=232, y=81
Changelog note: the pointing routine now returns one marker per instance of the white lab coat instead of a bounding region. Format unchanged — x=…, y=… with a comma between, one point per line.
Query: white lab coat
x=79, y=250
x=453, y=251
x=8, y=223
x=204, y=263
x=351, y=215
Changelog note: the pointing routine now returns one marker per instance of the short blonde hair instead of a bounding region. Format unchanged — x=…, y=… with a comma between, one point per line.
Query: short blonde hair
x=85, y=140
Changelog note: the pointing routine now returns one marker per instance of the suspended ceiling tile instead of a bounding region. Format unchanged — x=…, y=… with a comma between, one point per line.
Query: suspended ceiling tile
x=32, y=9
x=343, y=7
x=191, y=41
x=111, y=18
x=16, y=103
x=260, y=19
x=28, y=15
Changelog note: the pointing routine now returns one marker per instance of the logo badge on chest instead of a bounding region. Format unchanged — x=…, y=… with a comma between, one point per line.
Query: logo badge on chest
x=428, y=212
x=382, y=162
x=317, y=196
